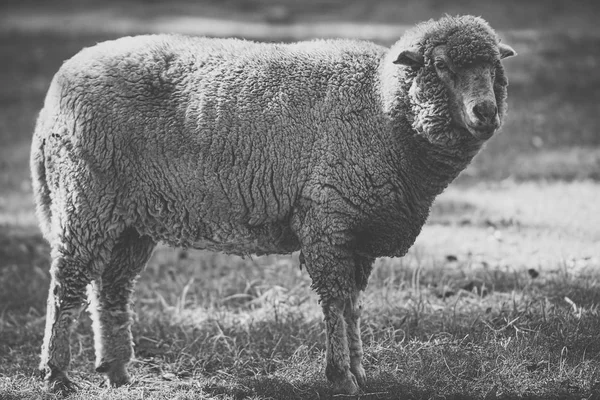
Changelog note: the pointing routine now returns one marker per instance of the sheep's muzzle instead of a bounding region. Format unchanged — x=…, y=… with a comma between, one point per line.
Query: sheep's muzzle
x=483, y=119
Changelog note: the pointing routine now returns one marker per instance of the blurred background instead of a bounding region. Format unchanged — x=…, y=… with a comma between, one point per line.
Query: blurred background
x=551, y=134
x=528, y=202
x=551, y=131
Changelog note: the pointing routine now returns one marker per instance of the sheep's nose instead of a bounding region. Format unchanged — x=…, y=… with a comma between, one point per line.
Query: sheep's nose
x=485, y=111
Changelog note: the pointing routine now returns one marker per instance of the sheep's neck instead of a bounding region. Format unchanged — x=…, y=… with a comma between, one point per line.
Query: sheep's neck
x=425, y=167
x=428, y=167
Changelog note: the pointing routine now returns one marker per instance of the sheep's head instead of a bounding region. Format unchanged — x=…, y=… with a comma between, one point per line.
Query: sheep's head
x=456, y=77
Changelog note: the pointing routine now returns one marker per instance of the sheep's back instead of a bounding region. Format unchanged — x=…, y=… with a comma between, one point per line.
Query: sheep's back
x=212, y=141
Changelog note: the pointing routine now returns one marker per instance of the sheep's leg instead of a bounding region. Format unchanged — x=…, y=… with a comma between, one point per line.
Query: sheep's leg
x=352, y=310
x=110, y=299
x=337, y=365
x=332, y=273
x=362, y=269
x=69, y=277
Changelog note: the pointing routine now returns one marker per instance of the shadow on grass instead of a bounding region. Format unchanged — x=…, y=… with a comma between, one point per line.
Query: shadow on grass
x=24, y=265
x=249, y=328
x=380, y=387
x=383, y=386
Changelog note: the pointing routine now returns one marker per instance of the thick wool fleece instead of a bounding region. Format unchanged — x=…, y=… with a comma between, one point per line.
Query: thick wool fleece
x=468, y=40
x=242, y=147
x=222, y=144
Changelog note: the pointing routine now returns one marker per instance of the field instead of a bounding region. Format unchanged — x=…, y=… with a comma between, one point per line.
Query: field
x=498, y=299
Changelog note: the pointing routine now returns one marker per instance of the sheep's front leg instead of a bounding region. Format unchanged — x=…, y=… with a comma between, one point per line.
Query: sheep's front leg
x=110, y=299
x=332, y=271
x=352, y=312
x=66, y=298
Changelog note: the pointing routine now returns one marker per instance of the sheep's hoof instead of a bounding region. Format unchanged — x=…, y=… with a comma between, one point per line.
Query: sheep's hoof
x=115, y=373
x=359, y=374
x=347, y=386
x=58, y=383
x=344, y=383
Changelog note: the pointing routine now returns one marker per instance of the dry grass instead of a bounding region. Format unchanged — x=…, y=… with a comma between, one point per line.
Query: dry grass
x=498, y=299
x=460, y=316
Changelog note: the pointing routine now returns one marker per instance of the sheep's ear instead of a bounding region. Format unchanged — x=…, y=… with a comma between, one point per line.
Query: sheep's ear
x=506, y=51
x=410, y=58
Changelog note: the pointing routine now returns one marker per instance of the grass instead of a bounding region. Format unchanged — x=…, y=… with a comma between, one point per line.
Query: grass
x=447, y=320
x=498, y=299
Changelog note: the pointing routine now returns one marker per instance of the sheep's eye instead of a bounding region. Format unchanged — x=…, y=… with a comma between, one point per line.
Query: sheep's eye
x=439, y=64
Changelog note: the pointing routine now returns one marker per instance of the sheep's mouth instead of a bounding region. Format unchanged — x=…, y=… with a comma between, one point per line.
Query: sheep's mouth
x=482, y=133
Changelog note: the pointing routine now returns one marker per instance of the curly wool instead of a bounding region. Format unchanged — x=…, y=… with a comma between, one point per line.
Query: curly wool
x=243, y=140
x=468, y=40
x=241, y=147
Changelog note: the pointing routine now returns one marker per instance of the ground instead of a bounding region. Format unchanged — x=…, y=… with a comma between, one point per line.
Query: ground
x=498, y=299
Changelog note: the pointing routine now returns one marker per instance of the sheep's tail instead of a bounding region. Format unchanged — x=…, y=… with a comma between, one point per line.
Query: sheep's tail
x=41, y=191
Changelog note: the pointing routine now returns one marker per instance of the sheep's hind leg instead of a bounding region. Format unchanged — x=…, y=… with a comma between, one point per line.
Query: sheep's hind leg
x=337, y=368
x=70, y=275
x=110, y=299
x=352, y=311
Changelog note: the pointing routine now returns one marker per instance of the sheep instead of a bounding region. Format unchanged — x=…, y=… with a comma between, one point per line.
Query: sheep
x=336, y=148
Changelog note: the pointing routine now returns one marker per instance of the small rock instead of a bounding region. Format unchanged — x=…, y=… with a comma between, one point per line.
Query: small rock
x=533, y=273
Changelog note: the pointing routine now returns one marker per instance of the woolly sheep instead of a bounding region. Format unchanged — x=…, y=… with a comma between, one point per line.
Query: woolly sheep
x=335, y=148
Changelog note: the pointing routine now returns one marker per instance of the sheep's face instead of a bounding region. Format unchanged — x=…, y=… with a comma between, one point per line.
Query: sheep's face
x=470, y=90
x=465, y=95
